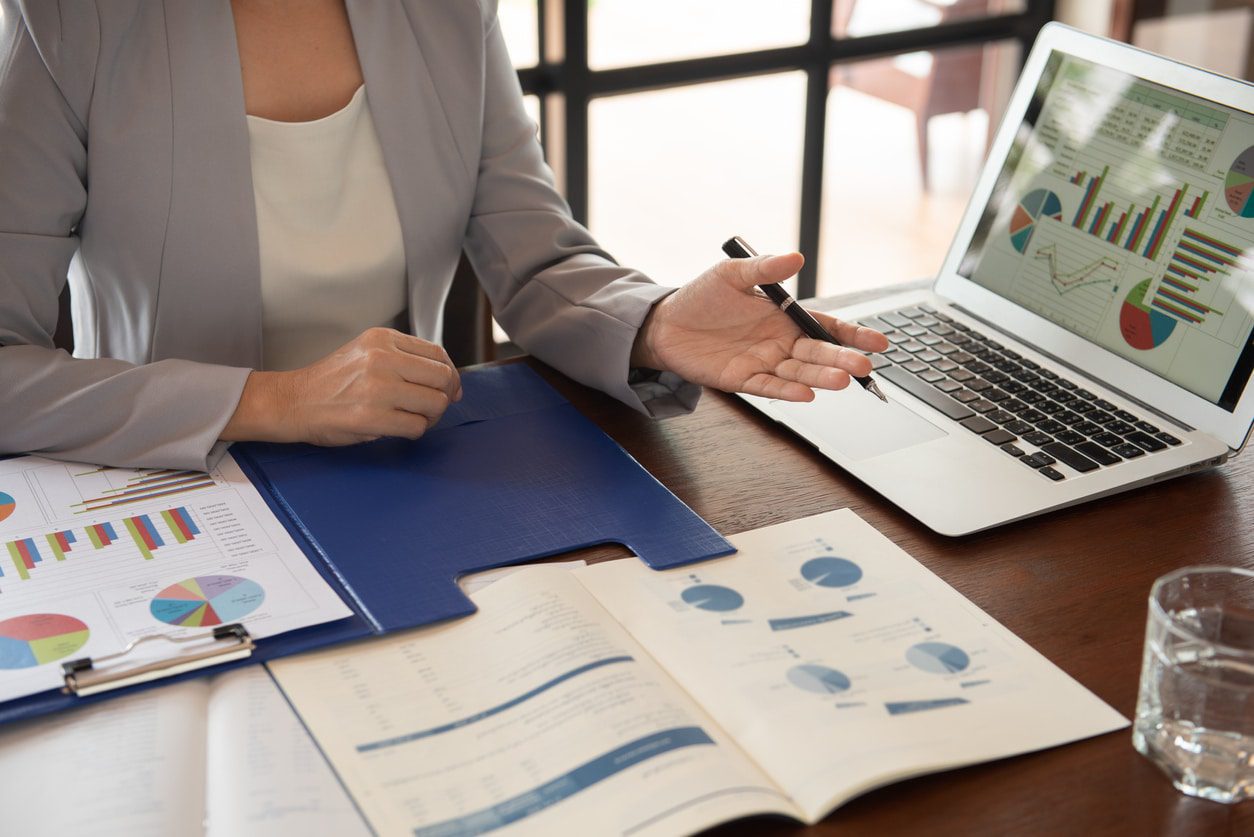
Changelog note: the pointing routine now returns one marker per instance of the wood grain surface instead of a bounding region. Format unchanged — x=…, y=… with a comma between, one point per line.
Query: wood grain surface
x=1073, y=584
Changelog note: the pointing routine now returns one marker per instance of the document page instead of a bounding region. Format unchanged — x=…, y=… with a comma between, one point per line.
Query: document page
x=839, y=663
x=534, y=713
x=134, y=765
x=93, y=558
x=265, y=776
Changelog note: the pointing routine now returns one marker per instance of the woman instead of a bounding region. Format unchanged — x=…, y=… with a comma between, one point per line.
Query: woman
x=217, y=259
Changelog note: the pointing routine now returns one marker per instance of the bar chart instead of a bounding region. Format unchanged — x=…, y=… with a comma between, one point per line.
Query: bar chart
x=1198, y=260
x=27, y=554
x=1140, y=230
x=142, y=487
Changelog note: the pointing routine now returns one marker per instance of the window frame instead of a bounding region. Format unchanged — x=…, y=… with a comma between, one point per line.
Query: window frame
x=566, y=85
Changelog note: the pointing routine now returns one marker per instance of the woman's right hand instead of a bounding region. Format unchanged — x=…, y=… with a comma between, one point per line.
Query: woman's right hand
x=383, y=383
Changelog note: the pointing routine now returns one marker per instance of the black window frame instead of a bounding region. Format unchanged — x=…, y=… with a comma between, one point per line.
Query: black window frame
x=563, y=72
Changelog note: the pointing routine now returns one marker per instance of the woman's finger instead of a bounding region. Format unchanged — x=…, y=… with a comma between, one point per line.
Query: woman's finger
x=813, y=374
x=852, y=334
x=772, y=386
x=829, y=354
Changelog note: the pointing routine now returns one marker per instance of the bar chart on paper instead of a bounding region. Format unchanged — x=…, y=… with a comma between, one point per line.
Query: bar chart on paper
x=92, y=558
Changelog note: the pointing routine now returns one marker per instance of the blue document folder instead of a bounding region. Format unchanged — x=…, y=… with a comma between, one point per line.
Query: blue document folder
x=511, y=473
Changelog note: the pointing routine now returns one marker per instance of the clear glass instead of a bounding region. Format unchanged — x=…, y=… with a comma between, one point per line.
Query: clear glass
x=674, y=173
x=855, y=18
x=1195, y=709
x=626, y=32
x=906, y=138
x=520, y=27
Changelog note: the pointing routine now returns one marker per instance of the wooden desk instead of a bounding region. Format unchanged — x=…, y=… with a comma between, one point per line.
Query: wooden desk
x=1073, y=584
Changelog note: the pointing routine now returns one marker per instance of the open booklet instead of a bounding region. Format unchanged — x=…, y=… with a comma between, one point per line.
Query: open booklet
x=817, y=663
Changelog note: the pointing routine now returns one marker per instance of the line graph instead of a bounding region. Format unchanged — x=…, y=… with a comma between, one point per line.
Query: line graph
x=1094, y=273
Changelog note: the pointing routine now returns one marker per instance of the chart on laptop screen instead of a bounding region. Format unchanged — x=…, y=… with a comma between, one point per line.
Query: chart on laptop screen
x=1126, y=214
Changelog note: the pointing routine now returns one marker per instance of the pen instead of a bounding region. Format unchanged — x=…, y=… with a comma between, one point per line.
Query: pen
x=738, y=248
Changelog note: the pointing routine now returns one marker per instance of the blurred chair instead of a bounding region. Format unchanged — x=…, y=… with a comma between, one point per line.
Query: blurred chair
x=957, y=82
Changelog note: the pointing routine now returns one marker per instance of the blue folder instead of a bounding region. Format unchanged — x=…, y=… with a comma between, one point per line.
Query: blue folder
x=511, y=473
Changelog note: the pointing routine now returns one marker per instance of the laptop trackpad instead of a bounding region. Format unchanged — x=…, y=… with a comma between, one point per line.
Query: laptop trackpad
x=856, y=424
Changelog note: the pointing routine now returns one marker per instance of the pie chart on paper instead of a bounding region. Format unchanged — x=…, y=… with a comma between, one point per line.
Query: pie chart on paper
x=712, y=597
x=207, y=600
x=38, y=638
x=7, y=505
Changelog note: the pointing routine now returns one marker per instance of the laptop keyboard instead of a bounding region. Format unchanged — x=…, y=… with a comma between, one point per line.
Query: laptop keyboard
x=1030, y=412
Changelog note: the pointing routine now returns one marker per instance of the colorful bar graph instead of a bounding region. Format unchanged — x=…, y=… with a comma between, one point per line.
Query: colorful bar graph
x=101, y=534
x=1164, y=223
x=1198, y=203
x=1090, y=197
x=25, y=555
x=181, y=524
x=148, y=486
x=1197, y=258
x=144, y=534
x=60, y=543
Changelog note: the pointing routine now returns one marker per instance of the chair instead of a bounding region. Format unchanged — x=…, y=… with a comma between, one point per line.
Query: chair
x=956, y=83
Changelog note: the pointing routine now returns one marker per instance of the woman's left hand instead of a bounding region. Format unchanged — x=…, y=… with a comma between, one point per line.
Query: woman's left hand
x=720, y=331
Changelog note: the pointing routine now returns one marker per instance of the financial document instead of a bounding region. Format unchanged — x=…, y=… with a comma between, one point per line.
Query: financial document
x=93, y=558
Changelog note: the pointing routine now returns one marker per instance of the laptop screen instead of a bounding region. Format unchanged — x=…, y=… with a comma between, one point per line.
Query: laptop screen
x=1125, y=214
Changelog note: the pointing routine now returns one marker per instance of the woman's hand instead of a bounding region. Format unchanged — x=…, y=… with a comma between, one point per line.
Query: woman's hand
x=720, y=331
x=383, y=383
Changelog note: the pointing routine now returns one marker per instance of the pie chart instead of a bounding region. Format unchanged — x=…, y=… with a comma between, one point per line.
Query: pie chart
x=7, y=505
x=38, y=638
x=831, y=572
x=938, y=657
x=818, y=679
x=1143, y=327
x=712, y=597
x=1037, y=204
x=207, y=600
x=1239, y=185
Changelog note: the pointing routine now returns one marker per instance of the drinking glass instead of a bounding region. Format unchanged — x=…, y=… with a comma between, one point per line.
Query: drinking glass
x=1195, y=709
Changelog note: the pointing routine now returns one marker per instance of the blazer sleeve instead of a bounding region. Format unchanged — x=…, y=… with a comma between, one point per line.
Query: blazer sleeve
x=164, y=414
x=553, y=289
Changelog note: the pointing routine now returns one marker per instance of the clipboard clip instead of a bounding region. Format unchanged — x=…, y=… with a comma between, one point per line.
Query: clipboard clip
x=86, y=676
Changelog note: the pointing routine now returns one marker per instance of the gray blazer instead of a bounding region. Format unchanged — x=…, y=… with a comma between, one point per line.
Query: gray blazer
x=124, y=166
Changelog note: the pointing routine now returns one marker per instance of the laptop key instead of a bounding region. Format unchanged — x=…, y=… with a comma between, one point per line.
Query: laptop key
x=1085, y=394
x=959, y=339
x=940, y=315
x=999, y=437
x=1124, y=415
x=1070, y=437
x=995, y=377
x=1029, y=364
x=1100, y=417
x=1120, y=427
x=1001, y=417
x=927, y=322
x=945, y=366
x=1050, y=426
x=1110, y=440
x=1097, y=453
x=913, y=313
x=982, y=405
x=1067, y=385
x=944, y=348
x=932, y=376
x=1038, y=459
x=1128, y=450
x=1019, y=427
x=1038, y=438
x=1146, y=427
x=996, y=395
x=959, y=325
x=914, y=330
x=1013, y=450
x=923, y=306
x=943, y=329
x=875, y=323
x=1031, y=415
x=1103, y=404
x=930, y=340
x=879, y=361
x=929, y=356
x=1051, y=473
x=961, y=357
x=1069, y=457
x=1082, y=406
x=948, y=386
x=978, y=385
x=963, y=375
x=1164, y=436
x=894, y=320
x=966, y=395
x=1088, y=428
x=926, y=393
x=1065, y=397
x=1048, y=374
x=1013, y=387
x=978, y=424
x=900, y=357
x=915, y=366
x=1050, y=408
x=1144, y=440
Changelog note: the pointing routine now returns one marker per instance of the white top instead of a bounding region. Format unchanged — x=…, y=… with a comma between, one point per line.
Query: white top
x=332, y=256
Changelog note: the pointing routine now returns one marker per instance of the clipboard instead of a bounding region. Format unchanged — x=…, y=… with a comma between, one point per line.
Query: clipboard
x=512, y=473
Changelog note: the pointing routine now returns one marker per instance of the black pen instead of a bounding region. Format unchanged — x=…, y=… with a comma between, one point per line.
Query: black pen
x=738, y=248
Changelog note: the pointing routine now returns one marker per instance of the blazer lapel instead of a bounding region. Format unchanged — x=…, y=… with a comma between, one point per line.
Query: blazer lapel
x=430, y=181
x=209, y=304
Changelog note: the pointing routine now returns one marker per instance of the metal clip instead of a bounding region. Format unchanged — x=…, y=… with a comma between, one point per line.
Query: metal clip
x=84, y=677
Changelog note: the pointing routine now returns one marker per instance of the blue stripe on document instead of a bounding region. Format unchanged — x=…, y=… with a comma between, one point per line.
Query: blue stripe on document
x=556, y=790
x=907, y=706
x=487, y=713
x=806, y=621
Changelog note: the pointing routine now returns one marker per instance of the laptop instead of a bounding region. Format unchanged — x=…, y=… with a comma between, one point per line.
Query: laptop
x=1091, y=328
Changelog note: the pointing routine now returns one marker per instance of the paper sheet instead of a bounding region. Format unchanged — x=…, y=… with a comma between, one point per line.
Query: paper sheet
x=93, y=558
x=535, y=713
x=839, y=663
